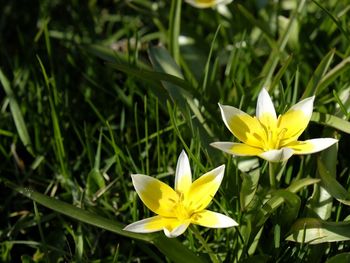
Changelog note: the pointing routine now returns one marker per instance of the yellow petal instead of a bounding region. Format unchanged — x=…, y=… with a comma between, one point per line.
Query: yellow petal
x=238, y=149
x=147, y=225
x=295, y=120
x=183, y=176
x=311, y=146
x=246, y=128
x=156, y=195
x=204, y=188
x=173, y=227
x=211, y=219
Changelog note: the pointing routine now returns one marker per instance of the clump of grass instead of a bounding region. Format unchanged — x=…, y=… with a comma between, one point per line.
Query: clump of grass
x=92, y=92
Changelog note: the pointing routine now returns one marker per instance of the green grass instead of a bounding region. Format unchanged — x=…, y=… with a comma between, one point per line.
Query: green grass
x=93, y=91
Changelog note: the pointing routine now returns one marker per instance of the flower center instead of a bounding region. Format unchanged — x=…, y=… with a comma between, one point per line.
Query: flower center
x=274, y=135
x=181, y=210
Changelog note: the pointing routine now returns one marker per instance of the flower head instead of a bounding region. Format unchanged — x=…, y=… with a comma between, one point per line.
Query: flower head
x=270, y=137
x=207, y=3
x=177, y=209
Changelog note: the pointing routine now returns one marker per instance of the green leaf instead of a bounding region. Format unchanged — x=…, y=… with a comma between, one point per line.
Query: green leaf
x=171, y=248
x=95, y=180
x=316, y=231
x=16, y=114
x=312, y=86
x=340, y=258
x=180, y=94
x=333, y=74
x=249, y=187
x=174, y=29
x=331, y=121
x=331, y=184
x=279, y=197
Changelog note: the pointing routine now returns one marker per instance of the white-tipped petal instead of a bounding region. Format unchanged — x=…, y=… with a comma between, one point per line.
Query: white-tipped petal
x=238, y=149
x=212, y=219
x=183, y=176
x=147, y=225
x=246, y=128
x=265, y=105
x=207, y=3
x=313, y=145
x=306, y=106
x=156, y=195
x=177, y=231
x=280, y=155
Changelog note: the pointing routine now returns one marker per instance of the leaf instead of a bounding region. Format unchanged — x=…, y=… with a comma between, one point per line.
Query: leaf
x=249, y=187
x=165, y=245
x=340, y=258
x=174, y=29
x=95, y=180
x=279, y=197
x=331, y=121
x=16, y=114
x=312, y=86
x=333, y=74
x=163, y=62
x=331, y=184
x=316, y=231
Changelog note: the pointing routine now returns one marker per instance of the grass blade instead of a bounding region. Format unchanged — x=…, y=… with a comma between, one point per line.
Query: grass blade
x=16, y=114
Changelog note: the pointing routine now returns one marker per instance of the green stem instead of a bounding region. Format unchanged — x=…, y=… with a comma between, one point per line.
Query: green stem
x=272, y=175
x=174, y=29
x=211, y=253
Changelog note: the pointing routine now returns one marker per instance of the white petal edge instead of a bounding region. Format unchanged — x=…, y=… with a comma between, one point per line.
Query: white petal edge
x=206, y=5
x=227, y=112
x=320, y=144
x=223, y=221
x=177, y=231
x=140, y=226
x=183, y=171
x=280, y=155
x=223, y=146
x=227, y=146
x=265, y=104
x=305, y=106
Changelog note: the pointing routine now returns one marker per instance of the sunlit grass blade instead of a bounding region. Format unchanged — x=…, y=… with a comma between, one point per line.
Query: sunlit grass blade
x=321, y=70
x=331, y=121
x=16, y=114
x=317, y=231
x=332, y=185
x=174, y=29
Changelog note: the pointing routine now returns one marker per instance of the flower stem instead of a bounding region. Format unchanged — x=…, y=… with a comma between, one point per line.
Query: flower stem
x=272, y=175
x=211, y=253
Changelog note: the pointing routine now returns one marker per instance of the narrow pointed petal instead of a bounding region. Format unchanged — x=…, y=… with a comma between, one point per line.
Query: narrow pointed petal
x=173, y=227
x=207, y=3
x=147, y=225
x=264, y=106
x=204, y=188
x=238, y=149
x=183, y=176
x=212, y=219
x=280, y=155
x=312, y=146
x=156, y=195
x=296, y=119
x=246, y=128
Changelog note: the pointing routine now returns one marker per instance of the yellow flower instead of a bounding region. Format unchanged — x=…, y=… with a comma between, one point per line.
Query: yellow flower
x=271, y=138
x=207, y=3
x=177, y=209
